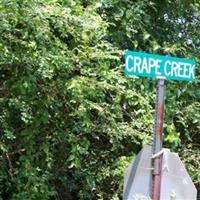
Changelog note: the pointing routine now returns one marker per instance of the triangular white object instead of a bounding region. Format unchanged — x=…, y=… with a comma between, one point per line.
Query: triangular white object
x=175, y=181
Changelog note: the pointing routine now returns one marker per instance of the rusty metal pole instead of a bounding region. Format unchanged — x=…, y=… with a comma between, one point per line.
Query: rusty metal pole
x=158, y=138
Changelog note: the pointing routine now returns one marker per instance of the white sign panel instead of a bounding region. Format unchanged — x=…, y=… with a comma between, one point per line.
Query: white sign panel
x=175, y=182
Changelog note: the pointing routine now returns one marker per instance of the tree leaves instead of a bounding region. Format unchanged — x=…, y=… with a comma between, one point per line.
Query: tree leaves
x=66, y=102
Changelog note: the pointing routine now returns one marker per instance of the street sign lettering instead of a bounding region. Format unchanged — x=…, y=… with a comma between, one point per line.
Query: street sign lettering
x=157, y=66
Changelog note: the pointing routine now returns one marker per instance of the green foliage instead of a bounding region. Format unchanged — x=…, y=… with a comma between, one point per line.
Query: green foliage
x=70, y=120
x=172, y=136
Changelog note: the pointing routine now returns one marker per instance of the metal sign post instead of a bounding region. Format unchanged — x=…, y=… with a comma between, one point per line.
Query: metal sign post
x=158, y=138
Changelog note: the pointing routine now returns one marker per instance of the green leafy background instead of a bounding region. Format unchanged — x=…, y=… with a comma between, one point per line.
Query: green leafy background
x=70, y=121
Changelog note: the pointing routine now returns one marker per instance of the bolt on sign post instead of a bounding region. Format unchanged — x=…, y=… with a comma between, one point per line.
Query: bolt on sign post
x=150, y=175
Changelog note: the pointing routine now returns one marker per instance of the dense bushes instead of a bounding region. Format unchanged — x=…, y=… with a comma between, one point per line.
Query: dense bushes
x=71, y=122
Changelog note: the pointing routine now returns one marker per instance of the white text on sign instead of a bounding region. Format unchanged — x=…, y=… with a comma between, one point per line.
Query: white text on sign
x=149, y=65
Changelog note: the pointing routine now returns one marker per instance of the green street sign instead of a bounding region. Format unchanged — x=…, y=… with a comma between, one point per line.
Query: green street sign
x=157, y=66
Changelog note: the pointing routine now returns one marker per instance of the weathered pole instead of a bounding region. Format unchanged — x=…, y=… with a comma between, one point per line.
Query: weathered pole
x=158, y=138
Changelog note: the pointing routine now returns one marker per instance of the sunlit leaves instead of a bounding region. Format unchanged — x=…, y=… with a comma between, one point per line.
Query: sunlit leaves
x=66, y=102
